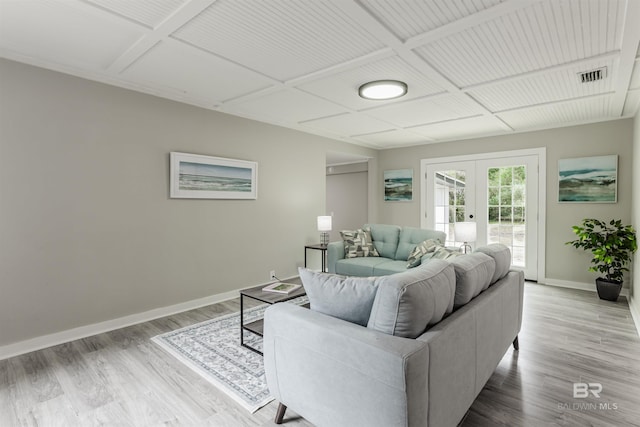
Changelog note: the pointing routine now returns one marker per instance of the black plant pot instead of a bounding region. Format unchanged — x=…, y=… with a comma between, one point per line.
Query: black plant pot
x=608, y=290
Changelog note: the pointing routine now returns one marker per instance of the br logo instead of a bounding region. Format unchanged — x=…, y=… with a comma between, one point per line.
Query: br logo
x=582, y=390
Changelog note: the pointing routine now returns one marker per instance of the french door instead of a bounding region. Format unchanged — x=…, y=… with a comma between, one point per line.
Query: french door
x=500, y=194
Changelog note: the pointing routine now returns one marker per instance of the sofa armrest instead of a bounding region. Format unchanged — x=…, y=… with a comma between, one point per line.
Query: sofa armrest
x=336, y=373
x=335, y=252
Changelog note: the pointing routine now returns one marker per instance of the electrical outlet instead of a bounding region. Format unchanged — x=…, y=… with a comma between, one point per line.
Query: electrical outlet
x=272, y=275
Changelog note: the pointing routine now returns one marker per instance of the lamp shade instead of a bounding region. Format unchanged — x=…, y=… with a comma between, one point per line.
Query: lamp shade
x=465, y=231
x=324, y=223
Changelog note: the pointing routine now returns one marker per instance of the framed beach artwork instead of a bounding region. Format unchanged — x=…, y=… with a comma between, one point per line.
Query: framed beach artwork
x=204, y=177
x=398, y=185
x=588, y=179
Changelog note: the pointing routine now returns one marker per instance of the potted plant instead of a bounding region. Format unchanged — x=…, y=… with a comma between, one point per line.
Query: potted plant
x=612, y=246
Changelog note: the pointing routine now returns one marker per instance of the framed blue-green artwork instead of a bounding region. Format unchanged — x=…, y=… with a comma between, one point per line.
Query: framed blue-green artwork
x=398, y=185
x=588, y=179
x=194, y=176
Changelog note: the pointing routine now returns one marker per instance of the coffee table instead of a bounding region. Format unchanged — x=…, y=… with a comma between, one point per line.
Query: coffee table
x=256, y=293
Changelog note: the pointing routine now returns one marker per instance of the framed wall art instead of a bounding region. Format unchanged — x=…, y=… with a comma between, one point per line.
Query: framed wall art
x=398, y=185
x=204, y=177
x=588, y=179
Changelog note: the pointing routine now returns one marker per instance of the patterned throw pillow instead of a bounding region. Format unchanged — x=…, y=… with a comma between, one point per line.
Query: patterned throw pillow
x=358, y=243
x=444, y=253
x=421, y=249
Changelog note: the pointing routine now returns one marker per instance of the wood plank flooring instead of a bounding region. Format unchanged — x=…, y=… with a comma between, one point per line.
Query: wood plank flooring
x=121, y=378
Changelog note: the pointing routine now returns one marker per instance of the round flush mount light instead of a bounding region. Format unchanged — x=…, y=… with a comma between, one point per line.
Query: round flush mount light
x=383, y=89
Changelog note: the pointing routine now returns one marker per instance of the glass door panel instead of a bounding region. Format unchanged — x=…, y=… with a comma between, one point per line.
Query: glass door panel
x=499, y=194
x=509, y=187
x=505, y=209
x=449, y=188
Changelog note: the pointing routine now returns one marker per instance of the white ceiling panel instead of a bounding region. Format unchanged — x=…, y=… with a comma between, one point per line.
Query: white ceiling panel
x=533, y=38
x=392, y=138
x=63, y=34
x=350, y=124
x=282, y=39
x=426, y=110
x=185, y=69
x=148, y=13
x=342, y=87
x=544, y=88
x=460, y=129
x=299, y=63
x=408, y=18
x=632, y=103
x=286, y=103
x=565, y=113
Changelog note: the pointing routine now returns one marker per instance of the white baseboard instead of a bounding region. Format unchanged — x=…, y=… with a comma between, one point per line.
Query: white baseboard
x=591, y=287
x=62, y=337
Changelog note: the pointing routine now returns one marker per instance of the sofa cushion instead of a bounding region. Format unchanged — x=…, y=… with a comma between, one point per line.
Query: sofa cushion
x=347, y=298
x=358, y=243
x=421, y=249
x=358, y=266
x=501, y=255
x=385, y=238
x=407, y=303
x=389, y=267
x=410, y=237
x=473, y=275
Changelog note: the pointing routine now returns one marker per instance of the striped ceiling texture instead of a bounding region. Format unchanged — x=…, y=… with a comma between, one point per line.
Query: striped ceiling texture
x=473, y=67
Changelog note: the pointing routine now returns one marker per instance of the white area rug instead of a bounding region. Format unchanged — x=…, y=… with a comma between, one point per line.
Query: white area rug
x=212, y=349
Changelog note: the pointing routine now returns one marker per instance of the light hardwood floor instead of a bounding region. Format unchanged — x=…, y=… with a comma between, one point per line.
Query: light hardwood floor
x=121, y=378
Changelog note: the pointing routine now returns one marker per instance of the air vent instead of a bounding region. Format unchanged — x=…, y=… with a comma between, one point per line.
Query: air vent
x=593, y=75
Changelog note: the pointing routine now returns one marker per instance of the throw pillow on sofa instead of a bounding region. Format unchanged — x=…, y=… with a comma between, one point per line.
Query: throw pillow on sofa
x=347, y=298
x=358, y=243
x=421, y=249
x=444, y=253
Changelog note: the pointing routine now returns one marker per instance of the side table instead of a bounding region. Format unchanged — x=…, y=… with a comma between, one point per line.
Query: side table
x=322, y=248
x=256, y=293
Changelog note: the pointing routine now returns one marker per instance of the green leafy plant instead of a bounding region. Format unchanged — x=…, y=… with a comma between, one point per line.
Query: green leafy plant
x=612, y=246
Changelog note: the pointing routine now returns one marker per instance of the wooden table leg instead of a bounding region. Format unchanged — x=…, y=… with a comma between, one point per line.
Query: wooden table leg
x=280, y=413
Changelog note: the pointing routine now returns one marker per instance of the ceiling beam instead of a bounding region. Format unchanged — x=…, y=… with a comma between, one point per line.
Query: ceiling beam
x=630, y=41
x=173, y=22
x=469, y=21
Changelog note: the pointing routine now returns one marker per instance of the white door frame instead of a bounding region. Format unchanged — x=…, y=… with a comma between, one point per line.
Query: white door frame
x=541, y=152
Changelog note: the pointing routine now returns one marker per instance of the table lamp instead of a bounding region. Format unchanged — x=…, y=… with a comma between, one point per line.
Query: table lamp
x=465, y=232
x=324, y=225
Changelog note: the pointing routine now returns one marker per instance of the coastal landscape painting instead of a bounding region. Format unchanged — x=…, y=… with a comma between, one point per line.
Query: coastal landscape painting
x=588, y=179
x=205, y=177
x=398, y=185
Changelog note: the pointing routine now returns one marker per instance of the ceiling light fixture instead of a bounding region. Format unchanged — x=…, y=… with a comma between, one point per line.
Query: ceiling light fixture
x=383, y=89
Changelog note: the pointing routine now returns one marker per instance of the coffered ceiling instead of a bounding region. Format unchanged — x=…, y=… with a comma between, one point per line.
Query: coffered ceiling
x=473, y=67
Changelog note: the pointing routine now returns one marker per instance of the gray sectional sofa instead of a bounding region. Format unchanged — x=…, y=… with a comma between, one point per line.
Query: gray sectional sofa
x=408, y=349
x=392, y=242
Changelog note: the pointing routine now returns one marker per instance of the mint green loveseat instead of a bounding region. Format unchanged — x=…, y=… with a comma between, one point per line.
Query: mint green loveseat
x=393, y=243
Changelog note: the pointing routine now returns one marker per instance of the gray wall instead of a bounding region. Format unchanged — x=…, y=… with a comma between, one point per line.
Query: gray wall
x=87, y=230
x=347, y=197
x=563, y=263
